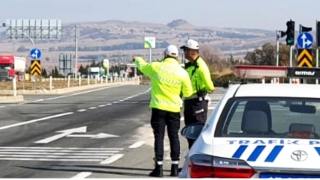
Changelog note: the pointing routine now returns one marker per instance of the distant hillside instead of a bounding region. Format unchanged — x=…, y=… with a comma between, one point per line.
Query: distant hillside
x=119, y=40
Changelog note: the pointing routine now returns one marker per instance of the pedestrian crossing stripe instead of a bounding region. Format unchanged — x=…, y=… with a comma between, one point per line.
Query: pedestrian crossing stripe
x=58, y=154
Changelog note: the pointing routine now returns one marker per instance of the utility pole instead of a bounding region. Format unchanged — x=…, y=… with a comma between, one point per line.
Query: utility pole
x=76, y=54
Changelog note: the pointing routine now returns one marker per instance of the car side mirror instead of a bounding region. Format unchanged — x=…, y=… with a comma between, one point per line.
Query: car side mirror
x=192, y=131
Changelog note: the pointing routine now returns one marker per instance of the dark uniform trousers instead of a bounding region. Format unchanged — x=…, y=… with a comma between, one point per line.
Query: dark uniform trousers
x=195, y=111
x=159, y=119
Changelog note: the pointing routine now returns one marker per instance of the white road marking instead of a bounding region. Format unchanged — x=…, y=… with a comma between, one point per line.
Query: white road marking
x=62, y=148
x=57, y=154
x=112, y=159
x=121, y=100
x=109, y=104
x=102, y=105
x=81, y=110
x=137, y=144
x=58, y=97
x=35, y=120
x=92, y=107
x=74, y=94
x=39, y=100
x=81, y=175
x=48, y=159
x=62, y=134
x=115, y=102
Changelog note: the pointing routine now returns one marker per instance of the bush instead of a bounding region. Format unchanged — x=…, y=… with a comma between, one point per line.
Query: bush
x=223, y=81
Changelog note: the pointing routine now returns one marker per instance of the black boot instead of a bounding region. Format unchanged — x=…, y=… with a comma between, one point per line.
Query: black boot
x=174, y=170
x=157, y=171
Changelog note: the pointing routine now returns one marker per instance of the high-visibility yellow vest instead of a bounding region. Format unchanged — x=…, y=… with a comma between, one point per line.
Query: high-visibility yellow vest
x=168, y=81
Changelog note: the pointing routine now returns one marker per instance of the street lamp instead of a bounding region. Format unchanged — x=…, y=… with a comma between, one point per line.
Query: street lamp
x=4, y=25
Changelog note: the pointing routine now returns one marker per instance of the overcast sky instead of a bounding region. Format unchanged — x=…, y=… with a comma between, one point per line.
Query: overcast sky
x=261, y=14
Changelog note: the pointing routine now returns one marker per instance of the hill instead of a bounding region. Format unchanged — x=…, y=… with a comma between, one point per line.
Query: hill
x=119, y=40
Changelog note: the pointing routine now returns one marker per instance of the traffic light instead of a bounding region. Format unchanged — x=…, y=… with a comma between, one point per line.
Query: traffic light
x=290, y=33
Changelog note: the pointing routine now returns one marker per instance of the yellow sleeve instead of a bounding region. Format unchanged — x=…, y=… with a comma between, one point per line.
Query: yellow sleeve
x=143, y=66
x=206, y=76
x=186, y=88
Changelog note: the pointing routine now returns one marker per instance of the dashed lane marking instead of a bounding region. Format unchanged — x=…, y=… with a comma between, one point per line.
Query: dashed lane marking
x=137, y=144
x=81, y=175
x=112, y=159
x=35, y=120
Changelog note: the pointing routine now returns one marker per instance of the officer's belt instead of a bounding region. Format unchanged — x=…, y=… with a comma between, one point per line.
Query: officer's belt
x=194, y=96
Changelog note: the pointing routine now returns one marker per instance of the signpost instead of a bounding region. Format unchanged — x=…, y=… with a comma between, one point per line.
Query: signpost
x=35, y=55
x=304, y=56
x=149, y=43
x=305, y=40
x=35, y=67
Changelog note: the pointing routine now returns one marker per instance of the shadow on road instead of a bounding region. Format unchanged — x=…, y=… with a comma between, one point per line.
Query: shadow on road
x=125, y=171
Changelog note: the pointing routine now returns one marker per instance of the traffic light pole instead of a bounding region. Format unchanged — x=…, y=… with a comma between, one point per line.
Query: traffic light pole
x=317, y=48
x=317, y=62
x=291, y=50
x=278, y=36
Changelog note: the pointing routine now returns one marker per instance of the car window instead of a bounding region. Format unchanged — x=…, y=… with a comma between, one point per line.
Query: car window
x=271, y=117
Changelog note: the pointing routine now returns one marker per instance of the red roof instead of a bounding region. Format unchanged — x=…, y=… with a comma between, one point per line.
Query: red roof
x=6, y=59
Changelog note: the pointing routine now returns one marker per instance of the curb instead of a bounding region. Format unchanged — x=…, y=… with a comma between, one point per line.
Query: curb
x=8, y=98
x=11, y=99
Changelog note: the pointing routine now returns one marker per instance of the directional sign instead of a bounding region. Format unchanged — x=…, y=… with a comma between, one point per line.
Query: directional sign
x=62, y=134
x=93, y=136
x=69, y=133
x=305, y=58
x=35, y=53
x=35, y=67
x=305, y=40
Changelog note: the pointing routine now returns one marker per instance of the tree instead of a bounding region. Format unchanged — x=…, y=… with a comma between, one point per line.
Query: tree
x=44, y=73
x=56, y=72
x=82, y=70
x=266, y=55
x=213, y=59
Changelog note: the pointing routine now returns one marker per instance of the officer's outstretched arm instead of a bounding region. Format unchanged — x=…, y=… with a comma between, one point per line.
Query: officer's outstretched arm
x=143, y=66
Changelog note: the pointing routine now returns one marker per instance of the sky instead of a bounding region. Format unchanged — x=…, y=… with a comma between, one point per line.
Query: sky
x=257, y=14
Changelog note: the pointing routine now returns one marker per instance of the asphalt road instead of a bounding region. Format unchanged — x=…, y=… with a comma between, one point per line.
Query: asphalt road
x=100, y=133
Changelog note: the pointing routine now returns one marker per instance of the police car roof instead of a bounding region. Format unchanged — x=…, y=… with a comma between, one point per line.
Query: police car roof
x=278, y=90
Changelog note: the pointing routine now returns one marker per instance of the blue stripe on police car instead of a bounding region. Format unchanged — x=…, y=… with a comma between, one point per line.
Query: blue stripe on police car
x=257, y=152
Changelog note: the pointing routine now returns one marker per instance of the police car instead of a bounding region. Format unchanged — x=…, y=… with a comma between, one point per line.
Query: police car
x=258, y=131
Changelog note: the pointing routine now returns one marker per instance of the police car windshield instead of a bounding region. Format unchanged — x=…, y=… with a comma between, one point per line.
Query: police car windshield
x=270, y=118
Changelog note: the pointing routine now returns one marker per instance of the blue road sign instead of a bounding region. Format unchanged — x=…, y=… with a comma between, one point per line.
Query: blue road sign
x=305, y=40
x=35, y=53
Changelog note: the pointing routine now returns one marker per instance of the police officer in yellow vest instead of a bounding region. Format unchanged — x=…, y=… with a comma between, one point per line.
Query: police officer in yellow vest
x=168, y=81
x=196, y=106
